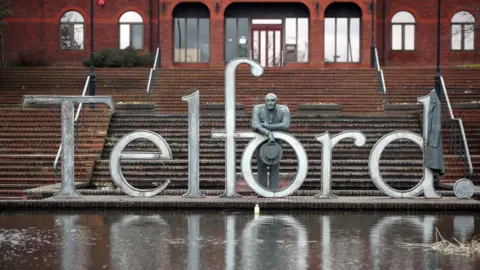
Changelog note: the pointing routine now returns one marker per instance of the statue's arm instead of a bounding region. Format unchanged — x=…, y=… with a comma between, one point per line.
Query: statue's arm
x=284, y=125
x=256, y=125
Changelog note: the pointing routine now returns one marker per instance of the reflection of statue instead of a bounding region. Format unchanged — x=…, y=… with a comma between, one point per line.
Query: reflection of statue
x=266, y=118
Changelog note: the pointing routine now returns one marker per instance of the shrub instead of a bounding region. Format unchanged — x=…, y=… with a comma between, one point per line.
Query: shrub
x=127, y=57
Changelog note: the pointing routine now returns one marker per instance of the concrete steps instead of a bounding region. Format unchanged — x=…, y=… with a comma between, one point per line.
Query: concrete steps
x=29, y=141
x=401, y=163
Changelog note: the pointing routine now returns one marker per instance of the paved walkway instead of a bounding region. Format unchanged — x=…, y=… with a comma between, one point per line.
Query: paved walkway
x=247, y=202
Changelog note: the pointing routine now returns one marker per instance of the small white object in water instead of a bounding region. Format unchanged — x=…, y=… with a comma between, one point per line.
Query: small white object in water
x=256, y=209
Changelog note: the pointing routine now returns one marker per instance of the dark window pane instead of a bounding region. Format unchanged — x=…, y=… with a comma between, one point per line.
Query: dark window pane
x=243, y=39
x=192, y=40
x=137, y=36
x=179, y=33
x=66, y=38
x=204, y=40
x=230, y=38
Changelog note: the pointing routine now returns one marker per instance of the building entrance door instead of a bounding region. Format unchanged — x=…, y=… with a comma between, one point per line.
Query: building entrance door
x=267, y=46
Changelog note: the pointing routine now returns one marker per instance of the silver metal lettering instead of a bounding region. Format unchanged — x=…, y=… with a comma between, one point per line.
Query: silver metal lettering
x=67, y=188
x=230, y=107
x=116, y=155
x=193, y=145
x=327, y=147
x=247, y=166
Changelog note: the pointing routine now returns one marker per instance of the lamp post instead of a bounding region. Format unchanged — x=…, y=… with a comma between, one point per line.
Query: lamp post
x=91, y=88
x=438, y=87
x=158, y=35
x=372, y=50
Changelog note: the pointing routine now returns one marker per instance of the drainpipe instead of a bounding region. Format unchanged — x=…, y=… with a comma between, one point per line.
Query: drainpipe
x=158, y=35
x=438, y=87
x=372, y=50
x=384, y=32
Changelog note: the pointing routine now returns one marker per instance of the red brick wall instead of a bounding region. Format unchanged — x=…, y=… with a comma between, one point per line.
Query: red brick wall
x=34, y=32
x=425, y=13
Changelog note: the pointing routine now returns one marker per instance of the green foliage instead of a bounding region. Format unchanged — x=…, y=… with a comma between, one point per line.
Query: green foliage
x=5, y=10
x=127, y=57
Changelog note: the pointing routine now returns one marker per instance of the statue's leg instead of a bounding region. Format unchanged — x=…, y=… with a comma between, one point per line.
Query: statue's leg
x=274, y=175
x=262, y=170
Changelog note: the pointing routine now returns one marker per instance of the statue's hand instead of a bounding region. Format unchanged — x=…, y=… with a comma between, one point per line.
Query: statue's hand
x=270, y=137
x=266, y=125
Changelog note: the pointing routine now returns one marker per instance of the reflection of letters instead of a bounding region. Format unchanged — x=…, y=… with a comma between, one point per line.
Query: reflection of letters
x=379, y=231
x=130, y=231
x=275, y=253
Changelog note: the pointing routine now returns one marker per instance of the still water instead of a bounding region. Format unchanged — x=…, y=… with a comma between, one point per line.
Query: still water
x=232, y=240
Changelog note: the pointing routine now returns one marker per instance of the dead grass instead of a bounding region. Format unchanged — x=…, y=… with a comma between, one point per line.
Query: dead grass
x=443, y=245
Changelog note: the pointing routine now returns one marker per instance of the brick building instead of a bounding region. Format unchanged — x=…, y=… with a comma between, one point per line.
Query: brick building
x=321, y=33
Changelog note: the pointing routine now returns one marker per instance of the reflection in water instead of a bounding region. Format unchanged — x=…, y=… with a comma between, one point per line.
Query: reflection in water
x=138, y=242
x=267, y=243
x=230, y=242
x=193, y=241
x=379, y=240
x=172, y=240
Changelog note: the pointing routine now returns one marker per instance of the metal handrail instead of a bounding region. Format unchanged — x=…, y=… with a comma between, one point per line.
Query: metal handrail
x=381, y=77
x=462, y=130
x=151, y=77
x=80, y=108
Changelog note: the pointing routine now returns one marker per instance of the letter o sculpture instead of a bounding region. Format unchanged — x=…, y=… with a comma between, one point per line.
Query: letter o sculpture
x=247, y=166
x=374, y=166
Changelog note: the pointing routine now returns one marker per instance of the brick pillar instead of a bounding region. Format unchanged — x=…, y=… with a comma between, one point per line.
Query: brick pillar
x=366, y=40
x=217, y=40
x=166, y=37
x=316, y=39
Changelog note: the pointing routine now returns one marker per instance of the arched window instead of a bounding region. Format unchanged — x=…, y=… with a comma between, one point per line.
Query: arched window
x=191, y=33
x=463, y=31
x=131, y=30
x=403, y=31
x=342, y=32
x=71, y=31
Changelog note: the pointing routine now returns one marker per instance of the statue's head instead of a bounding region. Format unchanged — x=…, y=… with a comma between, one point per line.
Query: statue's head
x=271, y=101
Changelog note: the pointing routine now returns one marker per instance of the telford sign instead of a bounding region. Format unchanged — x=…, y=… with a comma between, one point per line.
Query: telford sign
x=327, y=141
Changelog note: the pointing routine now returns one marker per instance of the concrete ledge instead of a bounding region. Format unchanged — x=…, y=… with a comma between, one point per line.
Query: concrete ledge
x=466, y=105
x=407, y=108
x=303, y=203
x=318, y=109
x=135, y=107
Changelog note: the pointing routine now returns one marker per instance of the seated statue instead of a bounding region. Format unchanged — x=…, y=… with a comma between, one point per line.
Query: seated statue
x=266, y=118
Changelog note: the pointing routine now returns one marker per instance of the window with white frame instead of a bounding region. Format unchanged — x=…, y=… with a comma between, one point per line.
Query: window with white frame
x=131, y=30
x=71, y=31
x=463, y=31
x=403, y=31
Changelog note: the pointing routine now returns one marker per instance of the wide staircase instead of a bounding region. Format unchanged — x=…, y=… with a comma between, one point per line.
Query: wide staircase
x=463, y=86
x=35, y=133
x=401, y=162
x=354, y=89
x=29, y=141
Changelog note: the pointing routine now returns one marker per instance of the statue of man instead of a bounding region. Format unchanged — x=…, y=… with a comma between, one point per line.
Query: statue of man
x=266, y=118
